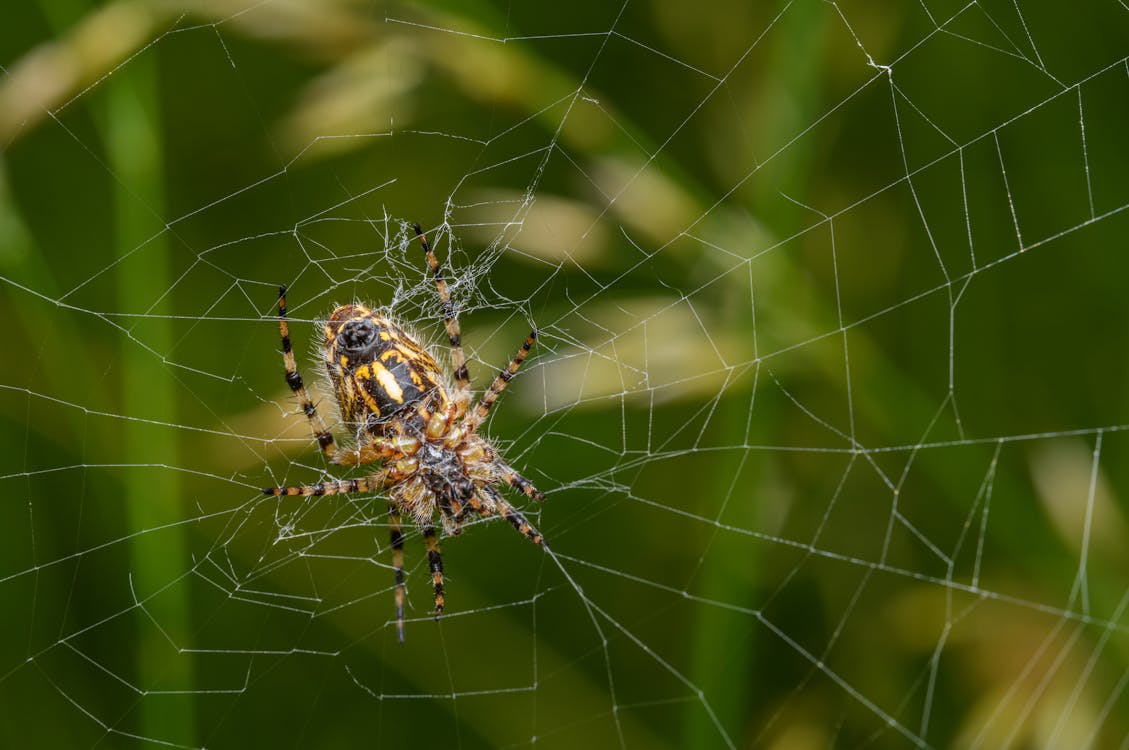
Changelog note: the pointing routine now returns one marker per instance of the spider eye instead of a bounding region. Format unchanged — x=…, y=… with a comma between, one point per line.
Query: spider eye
x=357, y=334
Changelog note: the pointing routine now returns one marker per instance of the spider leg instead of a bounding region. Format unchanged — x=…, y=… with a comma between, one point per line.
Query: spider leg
x=378, y=449
x=516, y=519
x=520, y=483
x=452, y=515
x=398, y=565
x=451, y=321
x=500, y=382
x=435, y=562
x=335, y=487
x=437, y=423
x=294, y=380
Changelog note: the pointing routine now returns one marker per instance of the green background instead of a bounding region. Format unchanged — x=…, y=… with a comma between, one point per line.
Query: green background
x=829, y=404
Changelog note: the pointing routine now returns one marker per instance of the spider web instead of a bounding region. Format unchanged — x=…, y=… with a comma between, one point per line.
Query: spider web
x=828, y=403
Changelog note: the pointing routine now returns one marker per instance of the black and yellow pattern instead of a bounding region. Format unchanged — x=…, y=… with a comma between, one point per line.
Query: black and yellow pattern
x=423, y=434
x=377, y=370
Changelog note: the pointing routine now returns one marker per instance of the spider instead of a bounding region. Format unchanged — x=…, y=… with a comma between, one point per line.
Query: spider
x=408, y=419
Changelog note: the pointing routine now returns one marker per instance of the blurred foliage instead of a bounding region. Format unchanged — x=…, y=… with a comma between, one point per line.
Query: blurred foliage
x=826, y=447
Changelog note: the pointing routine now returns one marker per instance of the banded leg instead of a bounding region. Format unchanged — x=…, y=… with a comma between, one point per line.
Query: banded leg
x=336, y=487
x=516, y=519
x=294, y=380
x=398, y=566
x=520, y=483
x=454, y=335
x=500, y=382
x=435, y=562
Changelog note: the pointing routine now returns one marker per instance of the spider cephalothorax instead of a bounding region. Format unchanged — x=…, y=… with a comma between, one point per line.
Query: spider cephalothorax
x=393, y=394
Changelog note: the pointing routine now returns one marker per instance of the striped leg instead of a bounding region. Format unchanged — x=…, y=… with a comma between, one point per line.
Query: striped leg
x=520, y=483
x=294, y=380
x=500, y=382
x=516, y=519
x=336, y=487
x=435, y=562
x=458, y=360
x=398, y=565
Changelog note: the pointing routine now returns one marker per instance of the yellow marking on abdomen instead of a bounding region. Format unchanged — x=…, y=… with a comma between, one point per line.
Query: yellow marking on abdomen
x=363, y=373
x=388, y=382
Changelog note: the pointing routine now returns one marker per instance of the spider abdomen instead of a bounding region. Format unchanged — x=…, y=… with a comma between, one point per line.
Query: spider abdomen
x=376, y=368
